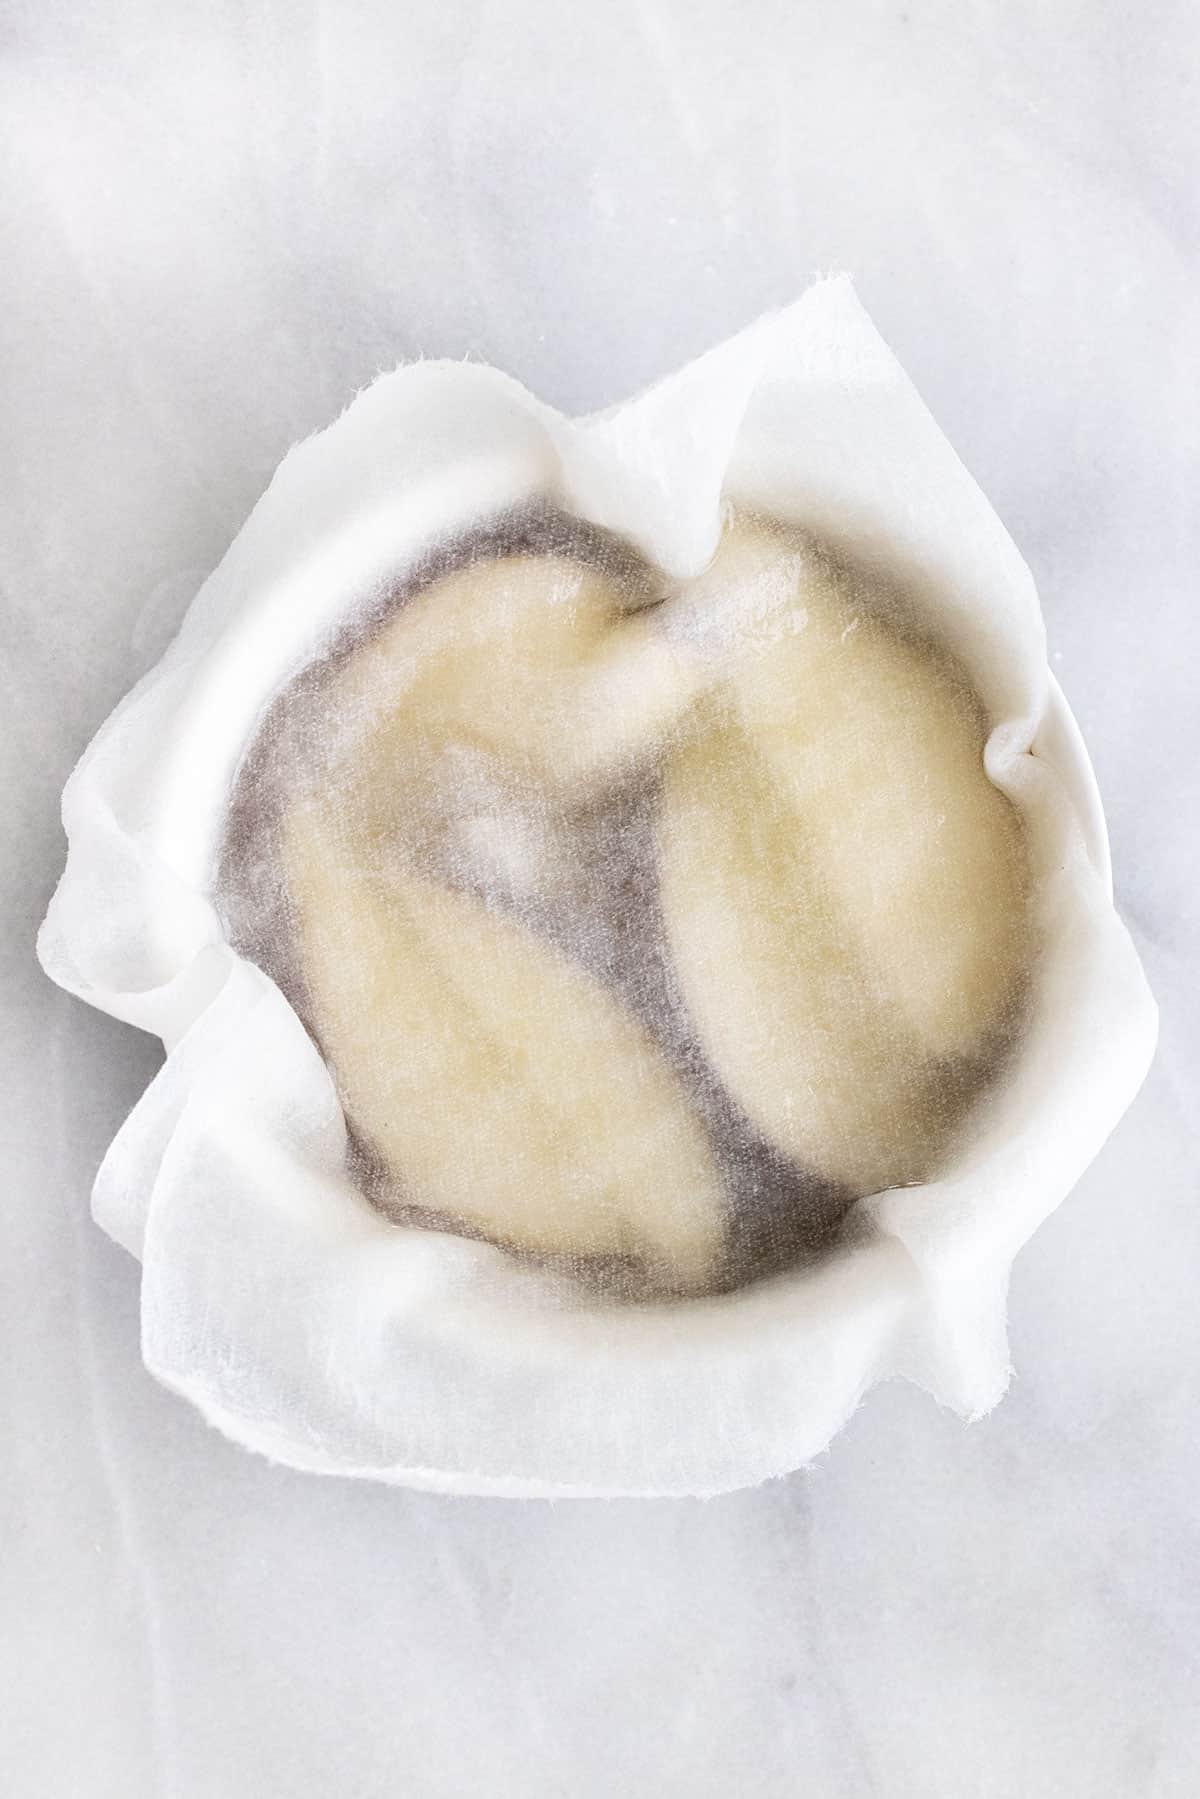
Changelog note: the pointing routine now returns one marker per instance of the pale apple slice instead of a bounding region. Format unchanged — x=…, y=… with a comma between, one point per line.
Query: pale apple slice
x=536, y=660
x=502, y=1085
x=844, y=890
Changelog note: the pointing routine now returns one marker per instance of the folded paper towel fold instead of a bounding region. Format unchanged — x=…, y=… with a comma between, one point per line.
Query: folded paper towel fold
x=630, y=923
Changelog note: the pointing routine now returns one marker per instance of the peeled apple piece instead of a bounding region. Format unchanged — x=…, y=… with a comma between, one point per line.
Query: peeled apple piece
x=843, y=889
x=542, y=661
x=507, y=1088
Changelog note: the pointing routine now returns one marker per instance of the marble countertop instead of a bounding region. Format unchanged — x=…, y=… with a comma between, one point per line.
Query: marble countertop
x=218, y=224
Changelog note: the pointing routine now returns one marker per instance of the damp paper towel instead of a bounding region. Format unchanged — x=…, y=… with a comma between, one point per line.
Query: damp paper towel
x=666, y=826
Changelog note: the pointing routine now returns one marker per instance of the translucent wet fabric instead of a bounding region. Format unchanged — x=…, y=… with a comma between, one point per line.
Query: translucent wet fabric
x=629, y=918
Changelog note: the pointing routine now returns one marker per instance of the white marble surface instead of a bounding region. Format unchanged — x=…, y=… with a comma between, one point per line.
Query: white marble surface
x=217, y=222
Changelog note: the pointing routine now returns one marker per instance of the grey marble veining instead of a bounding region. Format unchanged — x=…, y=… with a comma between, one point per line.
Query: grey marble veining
x=217, y=224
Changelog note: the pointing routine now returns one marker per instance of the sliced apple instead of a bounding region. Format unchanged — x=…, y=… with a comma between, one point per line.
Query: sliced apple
x=844, y=890
x=503, y=1085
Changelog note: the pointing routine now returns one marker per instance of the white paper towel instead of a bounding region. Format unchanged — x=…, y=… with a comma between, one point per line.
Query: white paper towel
x=297, y=1318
